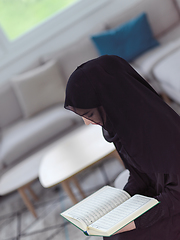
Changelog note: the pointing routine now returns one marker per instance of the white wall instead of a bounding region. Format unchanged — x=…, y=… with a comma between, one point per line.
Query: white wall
x=56, y=33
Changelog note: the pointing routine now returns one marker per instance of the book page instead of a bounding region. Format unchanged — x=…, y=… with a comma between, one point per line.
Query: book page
x=121, y=212
x=97, y=205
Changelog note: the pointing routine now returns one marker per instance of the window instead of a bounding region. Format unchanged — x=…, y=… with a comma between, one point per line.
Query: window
x=19, y=16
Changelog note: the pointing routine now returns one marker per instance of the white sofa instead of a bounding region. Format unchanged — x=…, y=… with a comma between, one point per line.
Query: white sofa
x=164, y=19
x=32, y=114
x=28, y=125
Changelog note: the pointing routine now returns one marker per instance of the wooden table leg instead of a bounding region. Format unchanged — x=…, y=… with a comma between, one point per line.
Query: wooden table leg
x=32, y=193
x=74, y=179
x=69, y=192
x=27, y=201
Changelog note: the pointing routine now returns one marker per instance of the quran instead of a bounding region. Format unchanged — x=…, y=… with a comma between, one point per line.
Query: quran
x=107, y=211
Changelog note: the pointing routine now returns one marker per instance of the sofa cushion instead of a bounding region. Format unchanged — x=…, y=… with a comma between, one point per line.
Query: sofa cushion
x=76, y=53
x=10, y=110
x=178, y=4
x=128, y=40
x=30, y=65
x=171, y=93
x=39, y=88
x=167, y=71
x=162, y=15
x=146, y=62
x=26, y=135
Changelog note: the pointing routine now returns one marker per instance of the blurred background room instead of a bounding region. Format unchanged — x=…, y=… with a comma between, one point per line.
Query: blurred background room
x=41, y=44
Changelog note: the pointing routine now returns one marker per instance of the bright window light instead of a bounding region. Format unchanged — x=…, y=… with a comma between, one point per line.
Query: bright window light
x=19, y=16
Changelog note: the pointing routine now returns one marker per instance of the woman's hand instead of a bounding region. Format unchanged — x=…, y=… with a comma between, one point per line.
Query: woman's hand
x=128, y=227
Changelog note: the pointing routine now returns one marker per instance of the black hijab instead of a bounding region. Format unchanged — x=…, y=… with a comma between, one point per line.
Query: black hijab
x=148, y=129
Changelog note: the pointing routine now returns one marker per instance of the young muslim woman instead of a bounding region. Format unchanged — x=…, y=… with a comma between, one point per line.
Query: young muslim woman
x=146, y=133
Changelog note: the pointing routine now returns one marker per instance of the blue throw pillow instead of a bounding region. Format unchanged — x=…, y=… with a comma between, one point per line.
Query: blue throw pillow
x=128, y=40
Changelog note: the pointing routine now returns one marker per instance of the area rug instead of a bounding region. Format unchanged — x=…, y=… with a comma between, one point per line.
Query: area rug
x=17, y=223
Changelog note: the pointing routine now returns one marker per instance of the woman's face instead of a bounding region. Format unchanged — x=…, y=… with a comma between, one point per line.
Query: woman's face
x=90, y=116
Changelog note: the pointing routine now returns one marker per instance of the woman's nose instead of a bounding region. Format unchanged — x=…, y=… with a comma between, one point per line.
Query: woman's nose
x=86, y=121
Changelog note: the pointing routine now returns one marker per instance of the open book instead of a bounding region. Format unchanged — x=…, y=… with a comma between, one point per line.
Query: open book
x=107, y=211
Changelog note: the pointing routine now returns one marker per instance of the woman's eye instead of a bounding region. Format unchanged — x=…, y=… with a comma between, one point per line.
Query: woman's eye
x=91, y=115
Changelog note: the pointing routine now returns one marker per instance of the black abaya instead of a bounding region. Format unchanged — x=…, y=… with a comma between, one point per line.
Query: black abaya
x=145, y=132
x=158, y=223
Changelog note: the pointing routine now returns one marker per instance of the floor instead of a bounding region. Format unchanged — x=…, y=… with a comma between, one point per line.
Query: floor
x=17, y=223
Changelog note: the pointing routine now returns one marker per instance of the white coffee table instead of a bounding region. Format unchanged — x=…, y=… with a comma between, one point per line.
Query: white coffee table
x=75, y=152
x=20, y=178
